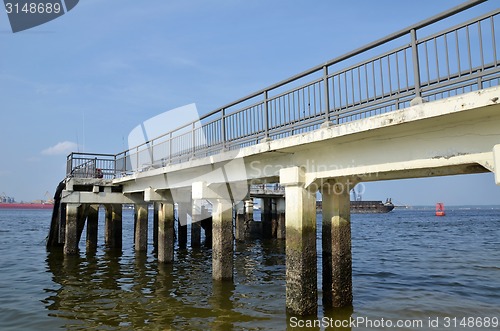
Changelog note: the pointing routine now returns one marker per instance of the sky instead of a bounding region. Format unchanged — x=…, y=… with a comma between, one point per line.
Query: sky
x=83, y=81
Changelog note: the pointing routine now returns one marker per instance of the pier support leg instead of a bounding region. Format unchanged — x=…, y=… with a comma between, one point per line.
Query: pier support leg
x=156, y=209
x=71, y=233
x=92, y=227
x=274, y=219
x=280, y=210
x=113, y=228
x=196, y=224
x=267, y=227
x=240, y=221
x=141, y=228
x=166, y=232
x=82, y=217
x=336, y=234
x=301, y=270
x=222, y=244
x=182, y=224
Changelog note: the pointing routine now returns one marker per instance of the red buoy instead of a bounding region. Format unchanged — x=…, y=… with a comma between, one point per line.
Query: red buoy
x=440, y=209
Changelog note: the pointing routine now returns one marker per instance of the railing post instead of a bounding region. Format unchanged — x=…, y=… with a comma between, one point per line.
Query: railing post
x=266, y=119
x=151, y=149
x=327, y=122
x=193, y=127
x=114, y=167
x=223, y=128
x=170, y=148
x=416, y=67
x=137, y=158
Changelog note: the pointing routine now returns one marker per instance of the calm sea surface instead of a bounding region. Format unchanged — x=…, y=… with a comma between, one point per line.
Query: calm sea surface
x=408, y=265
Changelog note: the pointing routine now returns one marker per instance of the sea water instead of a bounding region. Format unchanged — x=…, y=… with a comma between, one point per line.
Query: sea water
x=411, y=271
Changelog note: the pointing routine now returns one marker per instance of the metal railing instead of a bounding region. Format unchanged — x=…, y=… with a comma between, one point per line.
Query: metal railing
x=83, y=165
x=457, y=60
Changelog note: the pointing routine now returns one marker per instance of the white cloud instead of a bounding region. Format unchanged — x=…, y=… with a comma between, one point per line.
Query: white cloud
x=64, y=147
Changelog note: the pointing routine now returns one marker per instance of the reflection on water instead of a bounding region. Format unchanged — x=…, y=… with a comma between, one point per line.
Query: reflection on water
x=114, y=290
x=406, y=265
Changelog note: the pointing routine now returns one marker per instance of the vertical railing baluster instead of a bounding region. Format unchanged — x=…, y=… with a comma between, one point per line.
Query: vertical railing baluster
x=223, y=128
x=170, y=148
x=327, y=95
x=266, y=117
x=493, y=40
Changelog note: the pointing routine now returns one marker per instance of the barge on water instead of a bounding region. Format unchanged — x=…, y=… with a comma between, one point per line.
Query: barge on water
x=366, y=207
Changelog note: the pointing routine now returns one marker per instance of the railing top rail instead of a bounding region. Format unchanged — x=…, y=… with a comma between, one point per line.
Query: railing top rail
x=91, y=154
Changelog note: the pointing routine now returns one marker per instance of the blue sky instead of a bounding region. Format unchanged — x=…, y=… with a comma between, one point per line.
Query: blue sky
x=83, y=81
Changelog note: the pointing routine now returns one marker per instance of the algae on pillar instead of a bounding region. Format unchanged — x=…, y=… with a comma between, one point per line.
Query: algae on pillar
x=240, y=227
x=71, y=231
x=141, y=227
x=336, y=237
x=113, y=227
x=166, y=232
x=280, y=210
x=222, y=240
x=222, y=228
x=300, y=218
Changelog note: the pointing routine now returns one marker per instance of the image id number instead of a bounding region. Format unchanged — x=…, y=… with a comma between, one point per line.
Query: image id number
x=33, y=8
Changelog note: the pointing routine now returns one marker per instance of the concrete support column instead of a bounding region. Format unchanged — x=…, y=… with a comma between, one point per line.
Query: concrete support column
x=81, y=218
x=156, y=210
x=113, y=228
x=182, y=211
x=274, y=219
x=166, y=232
x=267, y=227
x=301, y=270
x=336, y=234
x=240, y=227
x=280, y=211
x=196, y=224
x=141, y=228
x=222, y=240
x=71, y=233
x=248, y=210
x=92, y=227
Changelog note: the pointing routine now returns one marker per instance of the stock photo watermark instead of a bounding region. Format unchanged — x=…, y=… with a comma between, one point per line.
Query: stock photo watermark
x=176, y=136
x=27, y=14
x=429, y=323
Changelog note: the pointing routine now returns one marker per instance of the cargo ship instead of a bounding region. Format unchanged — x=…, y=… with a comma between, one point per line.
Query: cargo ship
x=10, y=203
x=25, y=205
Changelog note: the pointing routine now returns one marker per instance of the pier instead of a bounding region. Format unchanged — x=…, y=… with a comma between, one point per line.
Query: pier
x=429, y=106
